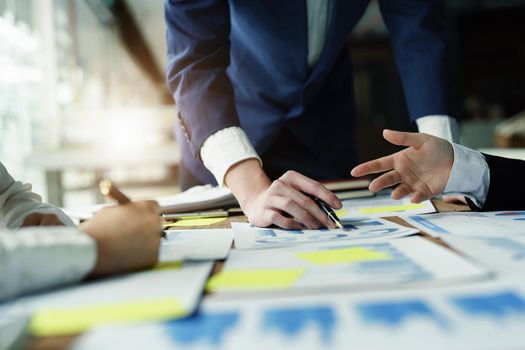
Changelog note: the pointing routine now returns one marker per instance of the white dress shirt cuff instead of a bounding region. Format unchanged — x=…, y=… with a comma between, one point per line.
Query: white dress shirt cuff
x=224, y=149
x=470, y=175
x=441, y=126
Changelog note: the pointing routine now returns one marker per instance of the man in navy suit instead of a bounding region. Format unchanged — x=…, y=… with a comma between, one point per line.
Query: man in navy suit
x=264, y=92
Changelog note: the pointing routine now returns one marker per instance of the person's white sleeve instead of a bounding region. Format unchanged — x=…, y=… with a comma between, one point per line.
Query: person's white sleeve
x=470, y=175
x=225, y=148
x=36, y=258
x=441, y=126
x=17, y=201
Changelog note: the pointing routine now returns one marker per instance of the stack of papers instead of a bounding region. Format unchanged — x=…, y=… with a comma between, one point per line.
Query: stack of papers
x=195, y=245
x=195, y=199
x=198, y=198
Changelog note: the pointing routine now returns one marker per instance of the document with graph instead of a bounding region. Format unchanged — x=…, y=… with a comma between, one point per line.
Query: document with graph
x=498, y=253
x=356, y=230
x=482, y=316
x=504, y=223
x=396, y=263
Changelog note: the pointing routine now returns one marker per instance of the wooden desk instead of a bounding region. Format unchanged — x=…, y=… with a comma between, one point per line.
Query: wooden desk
x=57, y=343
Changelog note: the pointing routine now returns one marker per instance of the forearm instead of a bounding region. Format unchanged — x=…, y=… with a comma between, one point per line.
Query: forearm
x=32, y=259
x=246, y=180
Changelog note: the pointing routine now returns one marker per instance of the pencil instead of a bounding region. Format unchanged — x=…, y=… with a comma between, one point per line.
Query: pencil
x=108, y=189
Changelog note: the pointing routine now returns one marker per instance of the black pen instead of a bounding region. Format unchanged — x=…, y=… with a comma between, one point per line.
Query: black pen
x=328, y=210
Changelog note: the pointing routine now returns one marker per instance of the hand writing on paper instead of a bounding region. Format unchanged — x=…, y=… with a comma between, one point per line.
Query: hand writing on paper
x=282, y=202
x=127, y=236
x=422, y=169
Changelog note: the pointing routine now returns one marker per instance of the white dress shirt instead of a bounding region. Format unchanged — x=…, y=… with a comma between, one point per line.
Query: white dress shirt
x=34, y=258
x=229, y=146
x=470, y=175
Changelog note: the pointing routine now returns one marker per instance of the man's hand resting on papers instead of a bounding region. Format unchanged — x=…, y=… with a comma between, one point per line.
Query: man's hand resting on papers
x=127, y=236
x=422, y=169
x=282, y=202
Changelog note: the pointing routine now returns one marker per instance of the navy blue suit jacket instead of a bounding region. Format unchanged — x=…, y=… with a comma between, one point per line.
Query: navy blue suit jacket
x=244, y=63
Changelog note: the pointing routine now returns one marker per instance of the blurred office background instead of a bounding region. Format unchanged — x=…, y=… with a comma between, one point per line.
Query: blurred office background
x=83, y=96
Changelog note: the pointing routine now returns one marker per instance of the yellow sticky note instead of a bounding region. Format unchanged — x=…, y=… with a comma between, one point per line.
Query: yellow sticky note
x=341, y=213
x=343, y=255
x=254, y=279
x=168, y=265
x=53, y=322
x=195, y=222
x=393, y=208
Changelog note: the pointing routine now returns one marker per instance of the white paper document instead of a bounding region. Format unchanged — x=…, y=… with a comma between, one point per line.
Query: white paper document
x=483, y=316
x=192, y=245
x=501, y=254
x=504, y=223
x=170, y=291
x=358, y=230
x=343, y=265
x=382, y=206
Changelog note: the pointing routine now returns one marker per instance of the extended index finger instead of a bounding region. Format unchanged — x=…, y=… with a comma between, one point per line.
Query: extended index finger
x=374, y=166
x=312, y=187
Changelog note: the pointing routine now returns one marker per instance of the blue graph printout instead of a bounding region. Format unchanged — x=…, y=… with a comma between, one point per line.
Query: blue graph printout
x=359, y=230
x=471, y=224
x=352, y=265
x=292, y=321
x=207, y=328
x=498, y=253
x=397, y=313
x=482, y=316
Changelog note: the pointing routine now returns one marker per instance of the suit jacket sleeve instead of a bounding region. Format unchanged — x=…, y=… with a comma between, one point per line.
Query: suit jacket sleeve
x=198, y=55
x=418, y=36
x=507, y=188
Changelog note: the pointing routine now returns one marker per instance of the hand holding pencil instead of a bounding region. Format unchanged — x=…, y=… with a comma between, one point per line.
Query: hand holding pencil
x=127, y=235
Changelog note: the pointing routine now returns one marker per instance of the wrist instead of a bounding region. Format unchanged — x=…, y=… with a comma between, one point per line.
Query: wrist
x=100, y=268
x=247, y=180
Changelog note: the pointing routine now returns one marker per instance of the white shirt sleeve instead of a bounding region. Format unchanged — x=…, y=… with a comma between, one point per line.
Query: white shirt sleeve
x=441, y=126
x=35, y=258
x=17, y=201
x=224, y=149
x=470, y=175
